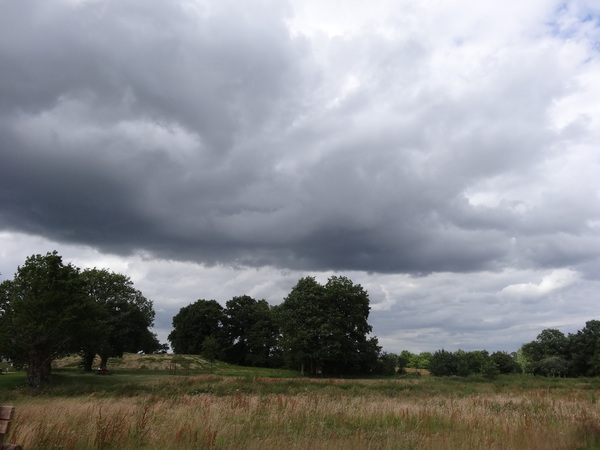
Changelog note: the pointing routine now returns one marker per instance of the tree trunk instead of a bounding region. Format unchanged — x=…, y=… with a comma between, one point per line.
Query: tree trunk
x=103, y=362
x=38, y=369
x=88, y=361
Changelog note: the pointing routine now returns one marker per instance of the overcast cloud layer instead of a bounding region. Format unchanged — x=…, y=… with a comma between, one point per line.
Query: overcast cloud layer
x=443, y=154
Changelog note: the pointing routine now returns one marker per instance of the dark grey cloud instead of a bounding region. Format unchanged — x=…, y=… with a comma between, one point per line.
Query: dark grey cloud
x=211, y=133
x=263, y=135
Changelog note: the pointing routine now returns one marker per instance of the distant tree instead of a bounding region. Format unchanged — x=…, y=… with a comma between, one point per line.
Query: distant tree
x=45, y=314
x=490, y=369
x=553, y=366
x=469, y=363
x=251, y=333
x=326, y=326
x=403, y=359
x=386, y=364
x=125, y=317
x=504, y=362
x=443, y=364
x=584, y=350
x=553, y=342
x=194, y=323
x=550, y=343
x=420, y=361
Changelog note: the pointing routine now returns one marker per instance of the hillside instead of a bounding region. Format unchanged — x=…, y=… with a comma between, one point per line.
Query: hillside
x=131, y=361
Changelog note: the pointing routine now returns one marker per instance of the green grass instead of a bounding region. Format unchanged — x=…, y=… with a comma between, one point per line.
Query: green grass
x=222, y=379
x=223, y=406
x=12, y=380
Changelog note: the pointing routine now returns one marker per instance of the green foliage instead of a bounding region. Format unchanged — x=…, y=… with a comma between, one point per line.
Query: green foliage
x=326, y=326
x=469, y=363
x=51, y=309
x=251, y=333
x=443, y=364
x=416, y=361
x=124, y=318
x=584, y=347
x=489, y=369
x=194, y=323
x=554, y=354
x=211, y=348
x=505, y=362
x=301, y=319
x=465, y=364
x=45, y=314
x=386, y=364
x=403, y=359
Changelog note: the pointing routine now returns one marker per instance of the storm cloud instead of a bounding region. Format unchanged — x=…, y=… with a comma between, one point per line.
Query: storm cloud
x=449, y=146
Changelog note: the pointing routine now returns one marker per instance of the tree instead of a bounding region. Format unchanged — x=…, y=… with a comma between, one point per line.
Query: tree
x=553, y=342
x=420, y=361
x=550, y=343
x=584, y=348
x=469, y=363
x=387, y=364
x=45, y=314
x=211, y=348
x=490, y=369
x=125, y=317
x=504, y=362
x=251, y=332
x=403, y=360
x=443, y=364
x=326, y=326
x=300, y=319
x=553, y=366
x=193, y=324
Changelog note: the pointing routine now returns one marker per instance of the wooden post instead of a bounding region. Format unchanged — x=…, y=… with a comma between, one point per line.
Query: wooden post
x=6, y=416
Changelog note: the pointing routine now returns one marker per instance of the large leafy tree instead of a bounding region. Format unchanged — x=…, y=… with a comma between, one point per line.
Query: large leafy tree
x=193, y=324
x=444, y=363
x=250, y=332
x=505, y=362
x=584, y=348
x=326, y=326
x=547, y=353
x=301, y=318
x=125, y=317
x=45, y=313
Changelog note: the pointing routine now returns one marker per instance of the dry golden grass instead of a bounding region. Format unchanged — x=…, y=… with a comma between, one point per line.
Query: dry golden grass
x=324, y=419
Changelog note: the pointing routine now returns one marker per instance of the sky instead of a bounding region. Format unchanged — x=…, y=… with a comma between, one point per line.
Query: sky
x=444, y=154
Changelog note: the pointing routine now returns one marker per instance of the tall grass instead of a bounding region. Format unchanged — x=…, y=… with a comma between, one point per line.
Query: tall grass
x=212, y=411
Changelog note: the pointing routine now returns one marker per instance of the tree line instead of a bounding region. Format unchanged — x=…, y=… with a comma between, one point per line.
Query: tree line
x=552, y=353
x=318, y=329
x=51, y=309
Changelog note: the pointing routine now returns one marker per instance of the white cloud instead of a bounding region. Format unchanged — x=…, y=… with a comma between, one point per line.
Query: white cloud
x=556, y=280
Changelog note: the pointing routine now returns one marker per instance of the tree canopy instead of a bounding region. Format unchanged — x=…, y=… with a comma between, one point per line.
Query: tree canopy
x=194, y=323
x=250, y=332
x=45, y=314
x=316, y=326
x=554, y=354
x=326, y=326
x=51, y=309
x=125, y=317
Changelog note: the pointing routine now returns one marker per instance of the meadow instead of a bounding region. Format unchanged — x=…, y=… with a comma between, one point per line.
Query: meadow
x=204, y=405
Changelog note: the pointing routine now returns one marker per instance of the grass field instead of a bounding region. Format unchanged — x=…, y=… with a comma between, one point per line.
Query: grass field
x=220, y=406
